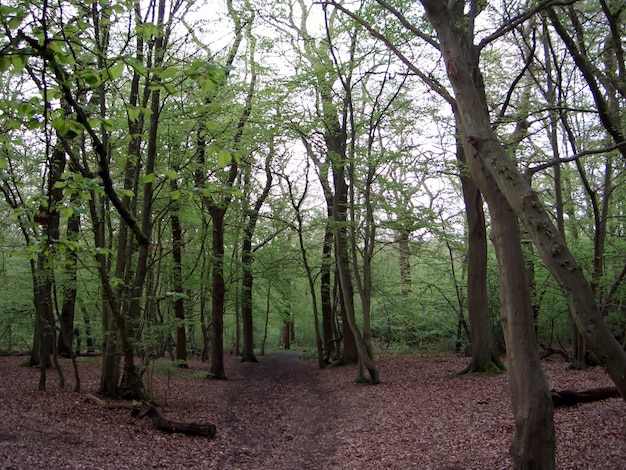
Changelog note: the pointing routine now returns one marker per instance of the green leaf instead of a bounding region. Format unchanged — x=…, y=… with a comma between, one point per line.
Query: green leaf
x=126, y=192
x=137, y=65
x=68, y=212
x=108, y=124
x=60, y=184
x=5, y=63
x=149, y=178
x=92, y=79
x=206, y=84
x=169, y=72
x=68, y=59
x=61, y=125
x=116, y=70
x=171, y=174
x=175, y=195
x=16, y=21
x=133, y=113
x=4, y=164
x=18, y=62
x=224, y=158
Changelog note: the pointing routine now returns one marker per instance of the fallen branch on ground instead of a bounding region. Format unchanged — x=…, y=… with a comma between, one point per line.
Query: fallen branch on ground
x=571, y=397
x=141, y=409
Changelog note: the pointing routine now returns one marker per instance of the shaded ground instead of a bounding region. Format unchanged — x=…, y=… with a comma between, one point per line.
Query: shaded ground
x=284, y=413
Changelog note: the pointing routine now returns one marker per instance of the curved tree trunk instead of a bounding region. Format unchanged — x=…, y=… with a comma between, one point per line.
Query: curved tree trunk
x=489, y=155
x=484, y=352
x=488, y=161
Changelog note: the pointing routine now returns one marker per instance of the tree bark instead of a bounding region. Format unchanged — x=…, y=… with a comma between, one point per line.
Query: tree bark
x=251, y=216
x=219, y=292
x=141, y=409
x=572, y=397
x=69, y=288
x=179, y=301
x=345, y=279
x=483, y=346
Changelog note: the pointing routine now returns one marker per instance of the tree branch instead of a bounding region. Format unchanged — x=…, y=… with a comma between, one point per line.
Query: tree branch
x=47, y=54
x=531, y=171
x=436, y=87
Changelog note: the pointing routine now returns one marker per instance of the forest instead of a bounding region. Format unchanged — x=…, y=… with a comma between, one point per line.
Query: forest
x=203, y=186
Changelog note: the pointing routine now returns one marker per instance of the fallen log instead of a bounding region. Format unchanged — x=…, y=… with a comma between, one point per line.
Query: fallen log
x=164, y=424
x=105, y=404
x=141, y=409
x=571, y=397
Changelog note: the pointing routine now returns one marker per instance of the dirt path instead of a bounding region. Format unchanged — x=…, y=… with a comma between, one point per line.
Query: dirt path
x=281, y=414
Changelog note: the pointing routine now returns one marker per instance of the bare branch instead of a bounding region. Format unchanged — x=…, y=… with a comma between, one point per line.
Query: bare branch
x=519, y=19
x=531, y=171
x=436, y=87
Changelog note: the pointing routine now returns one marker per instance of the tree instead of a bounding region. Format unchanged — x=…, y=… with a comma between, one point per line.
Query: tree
x=488, y=159
x=484, y=351
x=251, y=215
x=296, y=203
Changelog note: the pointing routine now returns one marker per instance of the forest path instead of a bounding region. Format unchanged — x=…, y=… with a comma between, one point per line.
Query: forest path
x=286, y=414
x=281, y=413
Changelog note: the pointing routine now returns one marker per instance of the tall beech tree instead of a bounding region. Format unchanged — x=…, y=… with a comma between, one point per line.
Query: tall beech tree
x=217, y=202
x=490, y=165
x=251, y=217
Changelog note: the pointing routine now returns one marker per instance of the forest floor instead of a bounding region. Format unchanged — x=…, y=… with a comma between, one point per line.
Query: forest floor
x=285, y=413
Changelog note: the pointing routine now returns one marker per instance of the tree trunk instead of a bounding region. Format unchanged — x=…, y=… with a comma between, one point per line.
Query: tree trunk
x=402, y=239
x=349, y=352
x=326, y=300
x=179, y=301
x=484, y=352
x=252, y=216
x=533, y=445
x=285, y=333
x=66, y=336
x=43, y=274
x=219, y=293
x=44, y=318
x=267, y=316
x=486, y=152
x=91, y=346
x=345, y=279
x=246, y=300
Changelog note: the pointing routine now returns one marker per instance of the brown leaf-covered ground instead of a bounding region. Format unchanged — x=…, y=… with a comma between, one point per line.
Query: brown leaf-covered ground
x=284, y=413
